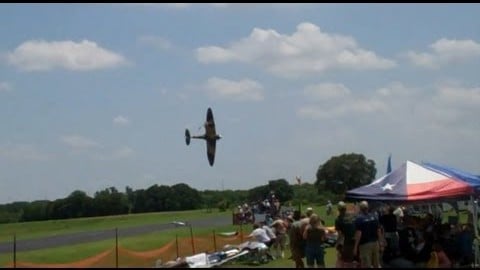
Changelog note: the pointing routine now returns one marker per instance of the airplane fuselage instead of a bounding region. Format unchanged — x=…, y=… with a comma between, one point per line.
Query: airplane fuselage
x=210, y=136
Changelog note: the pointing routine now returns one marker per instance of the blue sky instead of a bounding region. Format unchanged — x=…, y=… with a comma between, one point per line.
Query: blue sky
x=99, y=95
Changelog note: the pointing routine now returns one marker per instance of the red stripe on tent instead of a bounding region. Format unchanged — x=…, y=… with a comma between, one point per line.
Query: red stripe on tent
x=440, y=188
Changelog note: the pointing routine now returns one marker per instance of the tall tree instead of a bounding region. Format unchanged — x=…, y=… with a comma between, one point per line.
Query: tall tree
x=186, y=197
x=110, y=202
x=282, y=189
x=345, y=172
x=79, y=204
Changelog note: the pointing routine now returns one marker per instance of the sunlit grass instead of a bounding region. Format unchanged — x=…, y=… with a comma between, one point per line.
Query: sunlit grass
x=143, y=242
x=38, y=229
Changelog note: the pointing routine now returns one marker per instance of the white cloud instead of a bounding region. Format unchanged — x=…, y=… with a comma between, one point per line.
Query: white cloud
x=331, y=100
x=94, y=150
x=323, y=91
x=156, y=42
x=395, y=90
x=458, y=96
x=243, y=90
x=22, y=152
x=5, y=87
x=79, y=142
x=40, y=55
x=445, y=52
x=121, y=121
x=347, y=107
x=451, y=109
x=307, y=51
x=121, y=153
x=443, y=109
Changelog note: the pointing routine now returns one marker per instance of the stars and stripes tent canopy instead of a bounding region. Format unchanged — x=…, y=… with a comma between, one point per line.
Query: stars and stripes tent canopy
x=414, y=182
x=472, y=179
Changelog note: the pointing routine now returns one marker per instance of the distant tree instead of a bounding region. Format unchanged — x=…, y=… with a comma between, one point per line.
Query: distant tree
x=140, y=200
x=282, y=189
x=12, y=212
x=58, y=209
x=130, y=198
x=210, y=199
x=156, y=198
x=345, y=172
x=186, y=197
x=259, y=193
x=79, y=204
x=167, y=199
x=35, y=211
x=110, y=202
x=305, y=193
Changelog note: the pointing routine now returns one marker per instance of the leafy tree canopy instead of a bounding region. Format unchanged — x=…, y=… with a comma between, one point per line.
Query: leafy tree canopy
x=345, y=172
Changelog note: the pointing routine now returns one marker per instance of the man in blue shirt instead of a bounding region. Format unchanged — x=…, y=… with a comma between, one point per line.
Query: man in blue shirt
x=367, y=236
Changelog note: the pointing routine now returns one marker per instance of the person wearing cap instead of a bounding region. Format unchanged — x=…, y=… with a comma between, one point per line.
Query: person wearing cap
x=345, y=226
x=367, y=237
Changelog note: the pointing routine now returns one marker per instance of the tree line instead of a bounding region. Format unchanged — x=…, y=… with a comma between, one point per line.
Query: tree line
x=333, y=178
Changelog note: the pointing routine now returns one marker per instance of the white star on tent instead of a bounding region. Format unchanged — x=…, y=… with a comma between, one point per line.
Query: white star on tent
x=388, y=186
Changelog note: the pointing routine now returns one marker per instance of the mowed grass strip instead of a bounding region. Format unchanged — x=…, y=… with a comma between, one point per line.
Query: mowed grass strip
x=39, y=229
x=78, y=252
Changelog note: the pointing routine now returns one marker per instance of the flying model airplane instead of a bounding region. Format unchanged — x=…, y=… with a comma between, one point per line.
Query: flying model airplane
x=210, y=136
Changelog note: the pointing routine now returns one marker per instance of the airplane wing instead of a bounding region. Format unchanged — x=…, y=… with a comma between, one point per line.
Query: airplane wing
x=211, y=145
x=210, y=125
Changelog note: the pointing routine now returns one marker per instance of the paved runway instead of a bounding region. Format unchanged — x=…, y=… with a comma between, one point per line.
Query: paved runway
x=85, y=237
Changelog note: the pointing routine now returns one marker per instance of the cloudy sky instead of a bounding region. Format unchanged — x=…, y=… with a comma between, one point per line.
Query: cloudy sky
x=99, y=95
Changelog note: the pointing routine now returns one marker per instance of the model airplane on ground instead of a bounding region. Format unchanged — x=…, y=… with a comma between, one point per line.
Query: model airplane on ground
x=210, y=136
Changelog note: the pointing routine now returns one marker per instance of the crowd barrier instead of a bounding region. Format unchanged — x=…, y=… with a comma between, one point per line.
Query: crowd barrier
x=119, y=256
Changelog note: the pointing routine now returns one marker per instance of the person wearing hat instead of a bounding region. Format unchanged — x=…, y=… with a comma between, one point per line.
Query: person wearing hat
x=367, y=237
x=345, y=227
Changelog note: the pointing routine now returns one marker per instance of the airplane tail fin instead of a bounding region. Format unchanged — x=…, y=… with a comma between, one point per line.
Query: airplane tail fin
x=187, y=136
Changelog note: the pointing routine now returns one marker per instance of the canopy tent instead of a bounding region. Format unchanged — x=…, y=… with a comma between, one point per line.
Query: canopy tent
x=414, y=182
x=472, y=179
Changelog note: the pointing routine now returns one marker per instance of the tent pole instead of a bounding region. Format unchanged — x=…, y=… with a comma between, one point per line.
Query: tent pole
x=475, y=228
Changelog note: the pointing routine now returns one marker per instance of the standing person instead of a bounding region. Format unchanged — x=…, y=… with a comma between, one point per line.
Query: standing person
x=314, y=235
x=297, y=243
x=345, y=226
x=388, y=221
x=280, y=229
x=367, y=237
x=329, y=208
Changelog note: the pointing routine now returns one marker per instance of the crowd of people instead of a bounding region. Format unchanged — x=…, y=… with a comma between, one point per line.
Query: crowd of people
x=383, y=236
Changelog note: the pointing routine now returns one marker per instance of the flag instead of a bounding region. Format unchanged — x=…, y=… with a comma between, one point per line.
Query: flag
x=389, y=164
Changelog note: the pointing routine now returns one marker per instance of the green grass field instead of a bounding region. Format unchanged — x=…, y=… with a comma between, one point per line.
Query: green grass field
x=38, y=229
x=144, y=242
x=65, y=254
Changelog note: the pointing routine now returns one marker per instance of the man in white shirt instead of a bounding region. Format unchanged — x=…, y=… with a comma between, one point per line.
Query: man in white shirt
x=260, y=235
x=270, y=233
